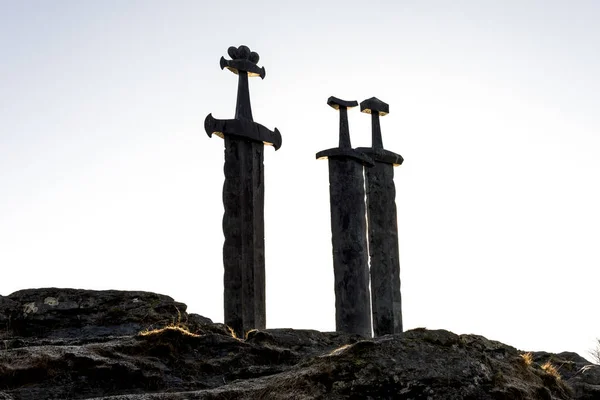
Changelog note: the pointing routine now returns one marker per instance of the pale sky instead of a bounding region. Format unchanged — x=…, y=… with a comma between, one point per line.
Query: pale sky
x=108, y=180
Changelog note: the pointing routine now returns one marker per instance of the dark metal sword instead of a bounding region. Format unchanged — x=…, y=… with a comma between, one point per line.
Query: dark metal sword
x=348, y=229
x=243, y=199
x=383, y=227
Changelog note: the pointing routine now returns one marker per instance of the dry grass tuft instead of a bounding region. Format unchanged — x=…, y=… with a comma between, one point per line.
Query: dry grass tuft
x=550, y=369
x=339, y=350
x=231, y=332
x=250, y=332
x=173, y=327
x=527, y=358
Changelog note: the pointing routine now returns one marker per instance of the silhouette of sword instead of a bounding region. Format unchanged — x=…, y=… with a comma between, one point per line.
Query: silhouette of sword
x=383, y=226
x=243, y=199
x=348, y=229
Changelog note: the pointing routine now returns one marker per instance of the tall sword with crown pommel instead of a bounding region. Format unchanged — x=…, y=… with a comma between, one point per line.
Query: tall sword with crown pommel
x=243, y=199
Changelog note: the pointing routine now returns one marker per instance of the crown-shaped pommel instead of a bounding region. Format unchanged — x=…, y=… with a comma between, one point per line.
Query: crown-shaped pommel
x=374, y=105
x=242, y=59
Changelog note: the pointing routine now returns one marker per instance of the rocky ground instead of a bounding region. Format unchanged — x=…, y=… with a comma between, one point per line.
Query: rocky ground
x=82, y=344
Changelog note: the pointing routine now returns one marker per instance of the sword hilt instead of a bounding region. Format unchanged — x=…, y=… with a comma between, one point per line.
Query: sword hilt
x=378, y=108
x=243, y=63
x=345, y=149
x=342, y=106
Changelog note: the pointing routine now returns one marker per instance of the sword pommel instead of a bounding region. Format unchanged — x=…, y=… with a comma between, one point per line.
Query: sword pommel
x=336, y=103
x=242, y=59
x=375, y=105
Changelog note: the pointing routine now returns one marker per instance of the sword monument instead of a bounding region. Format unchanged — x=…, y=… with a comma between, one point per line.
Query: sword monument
x=348, y=229
x=243, y=199
x=383, y=226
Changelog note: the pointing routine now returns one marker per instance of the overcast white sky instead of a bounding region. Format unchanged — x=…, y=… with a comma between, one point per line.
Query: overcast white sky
x=108, y=180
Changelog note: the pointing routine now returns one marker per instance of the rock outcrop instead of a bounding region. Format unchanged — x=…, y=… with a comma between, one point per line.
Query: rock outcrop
x=82, y=344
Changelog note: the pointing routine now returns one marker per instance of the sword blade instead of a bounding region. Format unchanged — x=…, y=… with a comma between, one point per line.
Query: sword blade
x=350, y=253
x=383, y=249
x=243, y=228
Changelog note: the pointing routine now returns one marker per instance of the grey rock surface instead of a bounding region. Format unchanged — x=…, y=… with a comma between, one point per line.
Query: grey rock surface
x=201, y=360
x=577, y=372
x=77, y=313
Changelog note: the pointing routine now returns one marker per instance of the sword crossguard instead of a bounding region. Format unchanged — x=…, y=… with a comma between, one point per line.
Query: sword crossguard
x=345, y=149
x=242, y=128
x=378, y=108
x=242, y=63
